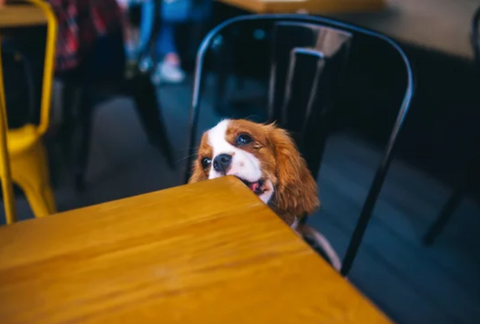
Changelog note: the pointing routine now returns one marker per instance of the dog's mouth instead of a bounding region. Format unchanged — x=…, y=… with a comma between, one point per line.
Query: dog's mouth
x=258, y=187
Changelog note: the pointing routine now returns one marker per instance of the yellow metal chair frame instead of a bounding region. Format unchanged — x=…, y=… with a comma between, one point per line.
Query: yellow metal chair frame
x=22, y=153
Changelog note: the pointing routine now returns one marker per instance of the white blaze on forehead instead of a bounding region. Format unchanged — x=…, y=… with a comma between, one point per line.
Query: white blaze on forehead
x=216, y=139
x=244, y=164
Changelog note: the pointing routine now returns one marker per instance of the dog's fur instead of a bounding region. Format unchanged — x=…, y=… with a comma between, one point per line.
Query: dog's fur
x=266, y=159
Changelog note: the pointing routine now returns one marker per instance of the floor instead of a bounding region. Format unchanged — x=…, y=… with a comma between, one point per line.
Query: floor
x=410, y=282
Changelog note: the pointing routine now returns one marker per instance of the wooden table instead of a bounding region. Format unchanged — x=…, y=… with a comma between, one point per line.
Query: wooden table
x=209, y=252
x=442, y=25
x=21, y=16
x=311, y=6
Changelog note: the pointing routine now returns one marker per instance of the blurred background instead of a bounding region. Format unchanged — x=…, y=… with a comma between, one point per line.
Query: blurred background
x=121, y=100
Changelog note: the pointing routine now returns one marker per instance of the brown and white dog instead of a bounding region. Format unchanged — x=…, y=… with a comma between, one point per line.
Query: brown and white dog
x=265, y=158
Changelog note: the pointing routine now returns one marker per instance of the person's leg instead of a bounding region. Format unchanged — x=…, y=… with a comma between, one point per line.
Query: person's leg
x=169, y=69
x=129, y=43
x=146, y=27
x=165, y=41
x=146, y=23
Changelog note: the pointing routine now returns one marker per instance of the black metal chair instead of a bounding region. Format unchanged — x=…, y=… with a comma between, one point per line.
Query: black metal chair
x=104, y=84
x=305, y=74
x=471, y=168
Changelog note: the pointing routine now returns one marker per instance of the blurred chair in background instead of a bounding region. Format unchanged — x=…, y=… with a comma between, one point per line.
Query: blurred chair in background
x=5, y=169
x=23, y=157
x=307, y=60
x=91, y=64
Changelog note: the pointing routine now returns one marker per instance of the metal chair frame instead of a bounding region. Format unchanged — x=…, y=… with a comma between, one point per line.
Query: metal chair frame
x=381, y=172
x=46, y=95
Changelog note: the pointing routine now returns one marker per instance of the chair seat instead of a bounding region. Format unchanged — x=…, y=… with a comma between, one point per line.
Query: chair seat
x=22, y=139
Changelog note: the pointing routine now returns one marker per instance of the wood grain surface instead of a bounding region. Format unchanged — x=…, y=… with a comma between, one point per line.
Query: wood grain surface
x=311, y=6
x=404, y=20
x=209, y=252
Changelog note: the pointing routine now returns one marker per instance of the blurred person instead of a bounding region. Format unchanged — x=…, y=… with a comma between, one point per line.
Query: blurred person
x=84, y=27
x=128, y=33
x=90, y=52
x=168, y=68
x=89, y=39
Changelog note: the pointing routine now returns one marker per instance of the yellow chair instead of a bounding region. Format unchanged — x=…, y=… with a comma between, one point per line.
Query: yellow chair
x=25, y=161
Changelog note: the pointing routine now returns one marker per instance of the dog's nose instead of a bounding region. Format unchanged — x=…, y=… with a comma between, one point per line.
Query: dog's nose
x=222, y=162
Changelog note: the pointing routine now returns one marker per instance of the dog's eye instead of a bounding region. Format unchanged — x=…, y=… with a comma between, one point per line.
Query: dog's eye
x=243, y=139
x=206, y=163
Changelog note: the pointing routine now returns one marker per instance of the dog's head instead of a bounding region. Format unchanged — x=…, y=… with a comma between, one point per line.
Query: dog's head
x=265, y=158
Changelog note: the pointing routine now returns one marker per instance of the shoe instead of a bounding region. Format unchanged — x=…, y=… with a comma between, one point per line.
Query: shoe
x=145, y=65
x=168, y=73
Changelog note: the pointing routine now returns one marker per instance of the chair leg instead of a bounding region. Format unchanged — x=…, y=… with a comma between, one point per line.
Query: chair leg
x=147, y=106
x=30, y=172
x=67, y=129
x=469, y=171
x=37, y=202
x=443, y=218
x=85, y=119
x=50, y=200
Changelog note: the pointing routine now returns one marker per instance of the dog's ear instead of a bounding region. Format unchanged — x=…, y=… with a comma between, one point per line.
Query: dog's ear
x=198, y=172
x=296, y=190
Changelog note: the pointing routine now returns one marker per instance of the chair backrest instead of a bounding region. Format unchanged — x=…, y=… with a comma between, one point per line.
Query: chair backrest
x=32, y=69
x=309, y=51
x=5, y=172
x=19, y=81
x=307, y=62
x=48, y=69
